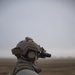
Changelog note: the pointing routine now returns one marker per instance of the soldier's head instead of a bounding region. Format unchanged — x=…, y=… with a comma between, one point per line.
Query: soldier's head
x=27, y=49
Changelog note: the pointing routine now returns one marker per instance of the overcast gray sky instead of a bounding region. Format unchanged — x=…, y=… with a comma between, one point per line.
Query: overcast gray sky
x=51, y=23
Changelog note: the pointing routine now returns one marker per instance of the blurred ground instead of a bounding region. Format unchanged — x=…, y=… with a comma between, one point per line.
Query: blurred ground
x=49, y=66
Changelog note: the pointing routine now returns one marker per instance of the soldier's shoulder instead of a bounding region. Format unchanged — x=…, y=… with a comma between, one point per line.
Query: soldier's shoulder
x=26, y=72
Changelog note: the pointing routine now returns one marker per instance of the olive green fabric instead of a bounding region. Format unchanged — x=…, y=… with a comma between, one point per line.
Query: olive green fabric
x=15, y=70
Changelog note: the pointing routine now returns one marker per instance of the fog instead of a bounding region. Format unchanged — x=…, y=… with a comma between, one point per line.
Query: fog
x=51, y=23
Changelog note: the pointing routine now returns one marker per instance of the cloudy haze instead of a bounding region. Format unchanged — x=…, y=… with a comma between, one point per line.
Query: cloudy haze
x=51, y=23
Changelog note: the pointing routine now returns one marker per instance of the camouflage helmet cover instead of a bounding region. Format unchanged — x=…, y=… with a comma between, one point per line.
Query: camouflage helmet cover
x=27, y=44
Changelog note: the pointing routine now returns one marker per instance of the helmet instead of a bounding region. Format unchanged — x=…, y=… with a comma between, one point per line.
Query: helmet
x=25, y=45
